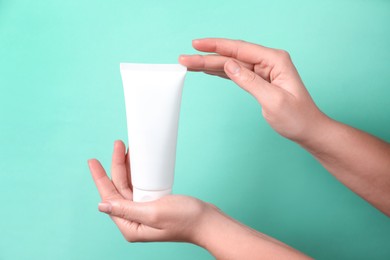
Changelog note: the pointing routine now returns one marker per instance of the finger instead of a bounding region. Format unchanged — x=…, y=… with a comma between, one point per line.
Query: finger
x=106, y=188
x=128, y=172
x=207, y=62
x=119, y=172
x=104, y=185
x=136, y=232
x=219, y=74
x=240, y=50
x=261, y=89
x=142, y=213
x=135, y=222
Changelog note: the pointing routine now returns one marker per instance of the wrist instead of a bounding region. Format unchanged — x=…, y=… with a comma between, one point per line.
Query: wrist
x=204, y=225
x=226, y=238
x=318, y=134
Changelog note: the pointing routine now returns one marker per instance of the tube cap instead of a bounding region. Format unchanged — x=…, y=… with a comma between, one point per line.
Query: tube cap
x=149, y=195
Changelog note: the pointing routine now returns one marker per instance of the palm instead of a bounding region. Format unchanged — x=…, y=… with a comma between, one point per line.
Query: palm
x=118, y=188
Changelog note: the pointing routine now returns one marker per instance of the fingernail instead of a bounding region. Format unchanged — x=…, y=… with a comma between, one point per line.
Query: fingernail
x=105, y=207
x=195, y=41
x=233, y=67
x=90, y=163
x=183, y=56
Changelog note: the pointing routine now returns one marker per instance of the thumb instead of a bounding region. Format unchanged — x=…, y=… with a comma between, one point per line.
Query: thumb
x=261, y=89
x=129, y=210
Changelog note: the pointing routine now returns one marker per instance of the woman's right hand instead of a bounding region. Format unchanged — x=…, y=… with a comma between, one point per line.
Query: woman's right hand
x=269, y=75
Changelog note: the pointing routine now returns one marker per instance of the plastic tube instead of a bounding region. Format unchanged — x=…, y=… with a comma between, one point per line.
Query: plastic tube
x=152, y=97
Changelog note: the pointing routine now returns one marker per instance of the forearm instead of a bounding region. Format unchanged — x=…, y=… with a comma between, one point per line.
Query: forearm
x=225, y=238
x=359, y=160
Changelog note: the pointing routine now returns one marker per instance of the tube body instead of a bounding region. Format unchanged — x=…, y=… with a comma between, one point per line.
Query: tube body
x=152, y=97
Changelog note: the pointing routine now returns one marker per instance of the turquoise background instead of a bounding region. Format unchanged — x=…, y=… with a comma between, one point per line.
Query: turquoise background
x=61, y=103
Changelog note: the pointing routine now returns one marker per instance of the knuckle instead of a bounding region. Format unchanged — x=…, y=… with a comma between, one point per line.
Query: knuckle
x=239, y=41
x=122, y=213
x=250, y=77
x=279, y=102
x=284, y=55
x=213, y=206
x=112, y=194
x=235, y=52
x=198, y=57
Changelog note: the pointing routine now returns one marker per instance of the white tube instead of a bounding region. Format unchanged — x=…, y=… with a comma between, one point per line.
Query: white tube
x=152, y=97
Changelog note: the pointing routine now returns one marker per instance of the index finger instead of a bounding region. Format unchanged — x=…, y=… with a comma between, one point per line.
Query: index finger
x=238, y=49
x=104, y=185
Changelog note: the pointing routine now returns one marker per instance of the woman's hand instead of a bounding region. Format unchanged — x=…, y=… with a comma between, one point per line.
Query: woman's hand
x=179, y=218
x=269, y=75
x=358, y=159
x=171, y=218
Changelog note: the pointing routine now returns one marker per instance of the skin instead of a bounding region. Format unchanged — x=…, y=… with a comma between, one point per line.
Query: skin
x=179, y=218
x=359, y=160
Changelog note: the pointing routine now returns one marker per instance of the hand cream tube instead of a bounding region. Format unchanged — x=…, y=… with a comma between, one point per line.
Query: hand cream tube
x=152, y=97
